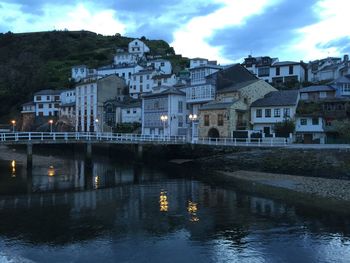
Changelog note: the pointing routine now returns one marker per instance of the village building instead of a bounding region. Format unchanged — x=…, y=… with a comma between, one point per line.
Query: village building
x=47, y=103
x=161, y=65
x=90, y=97
x=230, y=110
x=164, y=112
x=274, y=107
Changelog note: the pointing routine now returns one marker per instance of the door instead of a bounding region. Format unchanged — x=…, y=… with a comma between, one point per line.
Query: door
x=267, y=130
x=307, y=138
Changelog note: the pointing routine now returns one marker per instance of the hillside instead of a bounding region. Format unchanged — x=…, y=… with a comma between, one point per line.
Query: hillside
x=33, y=61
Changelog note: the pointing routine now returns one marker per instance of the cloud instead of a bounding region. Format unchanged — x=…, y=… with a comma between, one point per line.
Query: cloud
x=342, y=45
x=267, y=33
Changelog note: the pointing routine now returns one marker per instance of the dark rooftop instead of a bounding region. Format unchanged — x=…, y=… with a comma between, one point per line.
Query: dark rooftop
x=167, y=91
x=217, y=105
x=317, y=88
x=48, y=92
x=278, y=98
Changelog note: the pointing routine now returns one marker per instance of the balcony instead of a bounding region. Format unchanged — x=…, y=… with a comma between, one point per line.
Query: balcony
x=200, y=93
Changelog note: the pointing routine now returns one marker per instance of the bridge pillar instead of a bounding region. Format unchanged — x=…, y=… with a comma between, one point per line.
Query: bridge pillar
x=29, y=156
x=139, y=152
x=88, y=154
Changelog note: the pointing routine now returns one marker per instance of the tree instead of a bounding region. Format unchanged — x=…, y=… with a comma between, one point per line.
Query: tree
x=342, y=128
x=284, y=128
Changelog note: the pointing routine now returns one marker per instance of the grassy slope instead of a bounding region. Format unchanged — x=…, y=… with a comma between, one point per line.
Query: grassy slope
x=33, y=61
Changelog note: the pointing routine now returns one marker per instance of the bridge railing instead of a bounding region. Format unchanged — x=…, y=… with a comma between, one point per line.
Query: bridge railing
x=87, y=136
x=244, y=141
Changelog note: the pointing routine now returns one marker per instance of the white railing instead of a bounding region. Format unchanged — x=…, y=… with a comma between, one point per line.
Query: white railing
x=267, y=142
x=47, y=137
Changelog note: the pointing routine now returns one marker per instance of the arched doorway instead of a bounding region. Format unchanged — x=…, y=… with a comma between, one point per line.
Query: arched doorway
x=213, y=133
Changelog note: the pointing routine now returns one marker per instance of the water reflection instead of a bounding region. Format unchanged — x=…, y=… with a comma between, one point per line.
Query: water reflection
x=107, y=211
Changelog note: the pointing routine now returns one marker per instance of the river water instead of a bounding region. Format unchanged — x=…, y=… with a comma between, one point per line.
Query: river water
x=65, y=211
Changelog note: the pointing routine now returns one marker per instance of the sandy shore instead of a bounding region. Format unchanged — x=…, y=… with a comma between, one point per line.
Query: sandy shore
x=314, y=186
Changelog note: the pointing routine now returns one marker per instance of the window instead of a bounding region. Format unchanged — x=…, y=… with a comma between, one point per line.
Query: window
x=277, y=113
x=259, y=113
x=50, y=105
x=323, y=94
x=264, y=71
x=57, y=98
x=40, y=106
x=141, y=79
x=314, y=121
x=291, y=70
x=134, y=111
x=180, y=121
x=47, y=97
x=303, y=121
x=128, y=111
x=165, y=80
x=206, y=120
x=147, y=76
x=267, y=113
x=278, y=71
x=57, y=105
x=38, y=98
x=180, y=107
x=220, y=120
x=134, y=78
x=286, y=112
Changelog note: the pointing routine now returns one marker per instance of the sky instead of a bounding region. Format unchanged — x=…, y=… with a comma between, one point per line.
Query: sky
x=222, y=30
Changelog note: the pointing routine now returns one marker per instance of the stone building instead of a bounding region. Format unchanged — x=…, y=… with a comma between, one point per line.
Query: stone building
x=230, y=109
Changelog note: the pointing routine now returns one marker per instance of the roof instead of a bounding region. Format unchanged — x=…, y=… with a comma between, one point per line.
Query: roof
x=206, y=66
x=231, y=76
x=143, y=72
x=117, y=66
x=342, y=79
x=217, y=105
x=167, y=91
x=48, y=92
x=238, y=86
x=68, y=104
x=285, y=63
x=162, y=76
x=278, y=98
x=136, y=104
x=197, y=58
x=317, y=88
x=30, y=103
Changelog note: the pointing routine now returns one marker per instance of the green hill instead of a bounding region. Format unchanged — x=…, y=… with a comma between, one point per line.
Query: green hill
x=33, y=61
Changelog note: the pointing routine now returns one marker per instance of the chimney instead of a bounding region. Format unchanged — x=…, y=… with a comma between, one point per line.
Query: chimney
x=346, y=58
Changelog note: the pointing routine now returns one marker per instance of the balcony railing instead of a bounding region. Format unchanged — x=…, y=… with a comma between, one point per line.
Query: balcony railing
x=201, y=93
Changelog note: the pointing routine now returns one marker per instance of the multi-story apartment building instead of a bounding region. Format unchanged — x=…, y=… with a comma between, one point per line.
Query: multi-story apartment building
x=67, y=107
x=275, y=72
x=80, y=72
x=47, y=102
x=328, y=69
x=141, y=82
x=90, y=97
x=164, y=112
x=123, y=71
x=161, y=65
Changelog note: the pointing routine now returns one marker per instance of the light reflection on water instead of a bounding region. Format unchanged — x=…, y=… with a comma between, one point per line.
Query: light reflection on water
x=68, y=212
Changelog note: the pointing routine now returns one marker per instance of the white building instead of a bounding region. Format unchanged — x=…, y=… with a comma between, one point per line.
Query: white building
x=47, y=102
x=67, y=106
x=131, y=113
x=80, y=72
x=123, y=71
x=310, y=129
x=169, y=102
x=90, y=97
x=141, y=82
x=275, y=107
x=124, y=58
x=138, y=48
x=328, y=68
x=275, y=72
x=161, y=65
x=164, y=80
x=198, y=62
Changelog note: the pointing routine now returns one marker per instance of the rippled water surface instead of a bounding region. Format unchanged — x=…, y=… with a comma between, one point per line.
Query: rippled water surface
x=65, y=211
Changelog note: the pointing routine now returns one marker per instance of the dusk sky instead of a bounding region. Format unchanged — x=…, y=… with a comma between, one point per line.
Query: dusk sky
x=225, y=30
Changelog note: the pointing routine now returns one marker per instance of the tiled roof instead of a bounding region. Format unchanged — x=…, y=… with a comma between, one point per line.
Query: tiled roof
x=162, y=76
x=278, y=98
x=217, y=105
x=48, y=92
x=317, y=88
x=31, y=103
x=238, y=86
x=285, y=63
x=168, y=91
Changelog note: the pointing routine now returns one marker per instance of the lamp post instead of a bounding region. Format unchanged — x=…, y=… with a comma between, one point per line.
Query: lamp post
x=97, y=128
x=13, y=122
x=50, y=122
x=164, y=118
x=193, y=118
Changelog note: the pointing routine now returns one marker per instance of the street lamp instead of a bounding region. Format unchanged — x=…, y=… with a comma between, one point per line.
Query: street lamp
x=13, y=122
x=50, y=122
x=96, y=121
x=193, y=118
x=164, y=118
